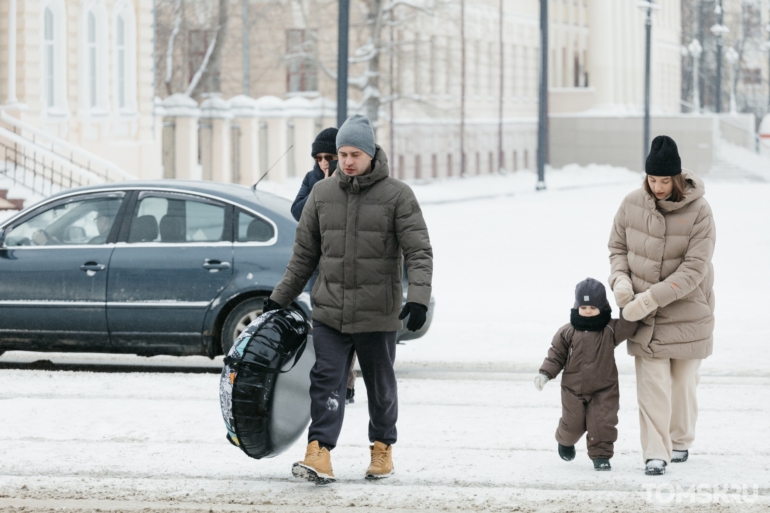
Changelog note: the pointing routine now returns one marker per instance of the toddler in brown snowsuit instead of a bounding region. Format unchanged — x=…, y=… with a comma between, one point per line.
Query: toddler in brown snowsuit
x=585, y=350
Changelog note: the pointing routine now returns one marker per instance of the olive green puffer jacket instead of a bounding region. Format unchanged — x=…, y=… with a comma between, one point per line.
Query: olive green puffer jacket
x=666, y=248
x=354, y=230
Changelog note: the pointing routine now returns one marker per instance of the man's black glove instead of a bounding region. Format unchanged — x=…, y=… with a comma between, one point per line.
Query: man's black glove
x=270, y=305
x=416, y=313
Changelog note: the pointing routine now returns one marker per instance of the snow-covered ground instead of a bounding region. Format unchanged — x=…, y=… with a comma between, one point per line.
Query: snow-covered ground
x=474, y=434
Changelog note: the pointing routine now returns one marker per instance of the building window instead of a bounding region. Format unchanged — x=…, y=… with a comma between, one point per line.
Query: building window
x=93, y=59
x=432, y=65
x=302, y=72
x=91, y=51
x=124, y=44
x=514, y=71
x=120, y=47
x=752, y=76
x=53, y=63
x=416, y=62
x=198, y=45
x=50, y=72
x=449, y=67
x=752, y=20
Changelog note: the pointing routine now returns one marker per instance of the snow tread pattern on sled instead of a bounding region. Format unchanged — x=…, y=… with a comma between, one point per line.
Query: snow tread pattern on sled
x=267, y=347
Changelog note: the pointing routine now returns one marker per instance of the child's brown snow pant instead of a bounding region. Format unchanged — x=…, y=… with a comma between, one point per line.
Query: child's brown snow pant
x=596, y=413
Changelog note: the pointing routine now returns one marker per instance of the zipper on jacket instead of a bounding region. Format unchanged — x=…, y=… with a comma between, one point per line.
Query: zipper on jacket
x=355, y=256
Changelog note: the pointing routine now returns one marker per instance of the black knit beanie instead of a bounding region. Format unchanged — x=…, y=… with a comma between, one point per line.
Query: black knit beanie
x=590, y=292
x=663, y=159
x=325, y=142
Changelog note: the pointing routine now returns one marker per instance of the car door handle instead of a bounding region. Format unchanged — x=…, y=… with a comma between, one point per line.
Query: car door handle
x=92, y=266
x=215, y=265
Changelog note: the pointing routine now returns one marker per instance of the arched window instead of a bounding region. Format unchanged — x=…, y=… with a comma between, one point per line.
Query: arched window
x=124, y=34
x=53, y=86
x=91, y=51
x=92, y=65
x=49, y=58
x=120, y=47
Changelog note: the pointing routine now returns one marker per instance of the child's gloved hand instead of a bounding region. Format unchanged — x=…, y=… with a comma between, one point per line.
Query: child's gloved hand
x=642, y=306
x=624, y=292
x=540, y=381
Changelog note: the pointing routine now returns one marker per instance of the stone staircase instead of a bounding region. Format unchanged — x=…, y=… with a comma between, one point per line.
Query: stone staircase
x=9, y=204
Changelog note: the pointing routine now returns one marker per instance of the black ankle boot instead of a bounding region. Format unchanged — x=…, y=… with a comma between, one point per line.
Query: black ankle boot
x=680, y=456
x=567, y=453
x=602, y=464
x=349, y=396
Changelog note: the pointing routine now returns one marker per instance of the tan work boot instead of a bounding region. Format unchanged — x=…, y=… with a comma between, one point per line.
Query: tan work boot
x=382, y=461
x=316, y=467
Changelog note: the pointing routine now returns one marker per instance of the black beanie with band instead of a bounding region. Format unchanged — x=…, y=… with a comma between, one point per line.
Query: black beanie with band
x=663, y=159
x=591, y=292
x=325, y=142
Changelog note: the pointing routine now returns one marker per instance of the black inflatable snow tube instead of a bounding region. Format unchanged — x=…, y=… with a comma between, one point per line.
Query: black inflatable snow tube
x=264, y=388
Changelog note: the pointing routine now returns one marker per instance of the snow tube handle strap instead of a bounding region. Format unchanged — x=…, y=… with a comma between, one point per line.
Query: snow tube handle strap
x=228, y=360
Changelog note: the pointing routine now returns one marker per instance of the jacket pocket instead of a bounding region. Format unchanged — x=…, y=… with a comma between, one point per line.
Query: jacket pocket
x=322, y=295
x=316, y=285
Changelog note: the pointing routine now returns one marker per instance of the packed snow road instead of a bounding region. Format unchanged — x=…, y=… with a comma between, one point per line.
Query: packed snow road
x=474, y=434
x=117, y=442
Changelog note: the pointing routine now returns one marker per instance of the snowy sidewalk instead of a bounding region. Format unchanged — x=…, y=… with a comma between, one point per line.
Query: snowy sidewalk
x=474, y=434
x=473, y=445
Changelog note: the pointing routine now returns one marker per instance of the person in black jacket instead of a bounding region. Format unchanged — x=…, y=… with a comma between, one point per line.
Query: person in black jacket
x=325, y=154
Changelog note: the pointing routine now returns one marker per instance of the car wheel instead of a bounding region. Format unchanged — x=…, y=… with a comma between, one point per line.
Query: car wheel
x=241, y=316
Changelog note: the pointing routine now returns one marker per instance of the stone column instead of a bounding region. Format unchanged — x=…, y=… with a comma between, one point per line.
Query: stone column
x=244, y=111
x=601, y=49
x=217, y=111
x=10, y=94
x=183, y=112
x=303, y=114
x=271, y=111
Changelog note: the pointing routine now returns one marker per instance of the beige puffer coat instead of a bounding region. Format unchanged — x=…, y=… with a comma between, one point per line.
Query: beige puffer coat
x=354, y=229
x=666, y=247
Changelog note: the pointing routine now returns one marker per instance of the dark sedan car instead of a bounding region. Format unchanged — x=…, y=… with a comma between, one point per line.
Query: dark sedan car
x=156, y=267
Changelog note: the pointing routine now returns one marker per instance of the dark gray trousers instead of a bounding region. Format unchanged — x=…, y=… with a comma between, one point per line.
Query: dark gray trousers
x=329, y=378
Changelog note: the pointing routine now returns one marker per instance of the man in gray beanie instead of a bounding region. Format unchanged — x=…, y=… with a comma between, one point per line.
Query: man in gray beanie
x=356, y=227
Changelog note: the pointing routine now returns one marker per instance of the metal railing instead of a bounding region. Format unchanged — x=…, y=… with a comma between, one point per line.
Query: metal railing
x=46, y=164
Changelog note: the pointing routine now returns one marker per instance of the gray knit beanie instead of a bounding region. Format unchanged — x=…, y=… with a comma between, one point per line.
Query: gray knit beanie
x=590, y=292
x=357, y=131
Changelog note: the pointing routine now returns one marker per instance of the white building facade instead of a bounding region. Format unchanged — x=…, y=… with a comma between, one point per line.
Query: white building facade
x=81, y=71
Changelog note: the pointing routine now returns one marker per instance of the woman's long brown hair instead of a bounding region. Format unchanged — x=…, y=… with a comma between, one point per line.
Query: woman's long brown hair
x=677, y=192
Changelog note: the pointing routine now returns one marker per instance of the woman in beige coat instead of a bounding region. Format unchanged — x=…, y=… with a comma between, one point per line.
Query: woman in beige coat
x=661, y=246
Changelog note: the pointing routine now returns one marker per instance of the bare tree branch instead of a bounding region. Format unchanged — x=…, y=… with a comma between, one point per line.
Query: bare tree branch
x=395, y=3
x=198, y=74
x=170, y=48
x=213, y=54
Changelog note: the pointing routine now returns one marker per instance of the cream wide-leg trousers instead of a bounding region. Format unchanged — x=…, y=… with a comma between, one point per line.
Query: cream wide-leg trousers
x=668, y=408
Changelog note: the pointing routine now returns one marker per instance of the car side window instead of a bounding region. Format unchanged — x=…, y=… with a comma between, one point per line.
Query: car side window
x=253, y=229
x=69, y=223
x=174, y=219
